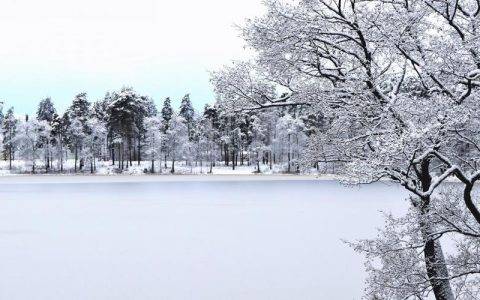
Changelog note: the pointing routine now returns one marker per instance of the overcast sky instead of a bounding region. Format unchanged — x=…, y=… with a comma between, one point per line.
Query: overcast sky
x=59, y=48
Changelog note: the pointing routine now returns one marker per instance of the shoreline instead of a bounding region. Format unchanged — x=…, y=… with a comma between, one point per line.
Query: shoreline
x=84, y=178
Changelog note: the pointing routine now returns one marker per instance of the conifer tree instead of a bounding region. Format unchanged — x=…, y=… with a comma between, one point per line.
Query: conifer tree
x=9, y=131
x=188, y=114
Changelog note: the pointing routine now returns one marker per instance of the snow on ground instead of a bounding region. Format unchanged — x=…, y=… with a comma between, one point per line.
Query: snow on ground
x=106, y=168
x=186, y=239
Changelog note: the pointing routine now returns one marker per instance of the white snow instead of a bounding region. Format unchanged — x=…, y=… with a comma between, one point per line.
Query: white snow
x=176, y=238
x=106, y=168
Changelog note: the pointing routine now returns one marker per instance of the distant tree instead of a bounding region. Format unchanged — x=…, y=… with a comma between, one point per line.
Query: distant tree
x=77, y=120
x=188, y=114
x=58, y=135
x=125, y=117
x=257, y=145
x=154, y=138
x=177, y=139
x=30, y=133
x=95, y=139
x=150, y=107
x=46, y=110
x=167, y=114
x=9, y=132
x=209, y=138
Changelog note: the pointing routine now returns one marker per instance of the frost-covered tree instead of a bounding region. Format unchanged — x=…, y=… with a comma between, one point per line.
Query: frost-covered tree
x=77, y=115
x=290, y=139
x=395, y=258
x=395, y=80
x=46, y=112
x=211, y=134
x=154, y=138
x=167, y=114
x=126, y=112
x=188, y=114
x=30, y=134
x=9, y=132
x=177, y=139
x=95, y=139
x=58, y=136
x=257, y=145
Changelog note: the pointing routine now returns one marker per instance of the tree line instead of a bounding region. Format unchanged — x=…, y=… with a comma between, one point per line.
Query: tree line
x=125, y=128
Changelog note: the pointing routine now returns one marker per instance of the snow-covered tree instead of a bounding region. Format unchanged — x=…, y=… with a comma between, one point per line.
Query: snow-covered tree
x=396, y=81
x=9, y=132
x=46, y=112
x=30, y=134
x=154, y=138
x=77, y=115
x=177, y=139
x=95, y=139
x=126, y=112
x=188, y=114
x=257, y=145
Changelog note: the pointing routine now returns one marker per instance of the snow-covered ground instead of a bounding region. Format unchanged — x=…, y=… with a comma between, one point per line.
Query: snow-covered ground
x=178, y=238
x=106, y=168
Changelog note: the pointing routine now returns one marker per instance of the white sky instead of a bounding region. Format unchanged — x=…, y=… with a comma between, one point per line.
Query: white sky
x=162, y=48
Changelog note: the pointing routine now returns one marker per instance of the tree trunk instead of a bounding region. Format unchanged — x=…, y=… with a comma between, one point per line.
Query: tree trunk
x=434, y=259
x=113, y=155
x=10, y=158
x=139, y=151
x=467, y=196
x=435, y=262
x=270, y=160
x=76, y=158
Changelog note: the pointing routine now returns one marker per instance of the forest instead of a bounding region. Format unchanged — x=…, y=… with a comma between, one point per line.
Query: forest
x=125, y=129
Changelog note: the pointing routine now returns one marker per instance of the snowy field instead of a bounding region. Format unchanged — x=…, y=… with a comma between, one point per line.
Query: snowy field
x=181, y=238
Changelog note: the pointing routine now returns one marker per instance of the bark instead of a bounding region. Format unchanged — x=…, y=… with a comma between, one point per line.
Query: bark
x=467, y=196
x=434, y=258
x=76, y=158
x=10, y=158
x=435, y=263
x=139, y=151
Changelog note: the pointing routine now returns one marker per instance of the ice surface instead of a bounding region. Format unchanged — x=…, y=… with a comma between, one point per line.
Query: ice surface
x=187, y=240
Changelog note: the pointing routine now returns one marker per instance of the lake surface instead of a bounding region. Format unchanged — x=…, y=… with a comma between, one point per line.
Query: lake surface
x=187, y=240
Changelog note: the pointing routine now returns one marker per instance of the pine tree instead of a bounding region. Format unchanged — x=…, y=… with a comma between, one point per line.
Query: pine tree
x=46, y=110
x=167, y=113
x=187, y=113
x=59, y=136
x=77, y=121
x=9, y=130
x=125, y=117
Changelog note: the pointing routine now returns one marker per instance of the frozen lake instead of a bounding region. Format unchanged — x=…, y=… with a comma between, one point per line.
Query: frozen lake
x=187, y=239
